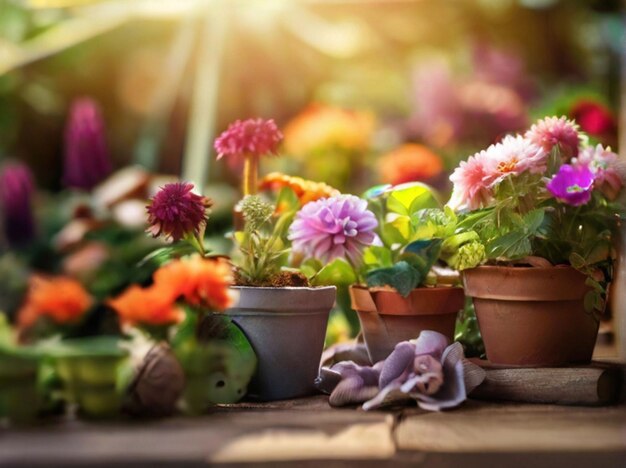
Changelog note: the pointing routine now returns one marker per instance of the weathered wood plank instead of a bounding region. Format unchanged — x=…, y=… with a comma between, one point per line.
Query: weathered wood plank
x=298, y=429
x=492, y=427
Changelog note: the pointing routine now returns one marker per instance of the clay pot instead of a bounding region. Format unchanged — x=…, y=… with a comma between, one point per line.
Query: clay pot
x=532, y=317
x=286, y=327
x=387, y=318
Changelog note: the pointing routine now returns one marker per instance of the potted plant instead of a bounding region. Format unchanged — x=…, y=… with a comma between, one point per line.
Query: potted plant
x=180, y=311
x=390, y=250
x=543, y=206
x=283, y=317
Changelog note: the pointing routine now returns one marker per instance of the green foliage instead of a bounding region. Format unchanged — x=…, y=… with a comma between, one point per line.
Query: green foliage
x=415, y=234
x=263, y=244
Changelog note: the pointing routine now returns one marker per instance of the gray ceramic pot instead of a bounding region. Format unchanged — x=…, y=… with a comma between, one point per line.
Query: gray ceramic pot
x=286, y=327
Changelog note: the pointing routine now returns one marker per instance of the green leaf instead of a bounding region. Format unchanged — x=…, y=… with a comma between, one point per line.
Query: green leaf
x=403, y=225
x=411, y=198
x=534, y=219
x=577, y=261
x=511, y=246
x=402, y=276
x=427, y=249
x=338, y=272
x=287, y=200
x=377, y=256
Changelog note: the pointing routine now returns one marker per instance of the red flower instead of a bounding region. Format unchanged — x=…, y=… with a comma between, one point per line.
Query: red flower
x=255, y=137
x=176, y=211
x=594, y=118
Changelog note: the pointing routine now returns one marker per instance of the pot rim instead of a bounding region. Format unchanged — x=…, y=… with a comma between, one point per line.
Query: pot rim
x=420, y=301
x=286, y=288
x=525, y=268
x=393, y=290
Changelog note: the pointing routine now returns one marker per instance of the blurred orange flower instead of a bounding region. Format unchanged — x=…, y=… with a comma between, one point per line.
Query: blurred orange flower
x=201, y=281
x=409, y=162
x=62, y=299
x=305, y=190
x=147, y=306
x=322, y=127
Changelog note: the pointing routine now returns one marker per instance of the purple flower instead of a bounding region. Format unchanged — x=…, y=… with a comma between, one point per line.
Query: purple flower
x=176, y=211
x=87, y=160
x=335, y=227
x=572, y=184
x=255, y=137
x=16, y=192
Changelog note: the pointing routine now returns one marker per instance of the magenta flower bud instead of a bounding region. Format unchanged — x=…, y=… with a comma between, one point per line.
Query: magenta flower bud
x=572, y=184
x=16, y=193
x=175, y=212
x=87, y=160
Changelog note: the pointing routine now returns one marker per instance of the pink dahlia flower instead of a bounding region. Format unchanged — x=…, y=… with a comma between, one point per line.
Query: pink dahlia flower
x=556, y=132
x=513, y=156
x=175, y=211
x=606, y=169
x=255, y=137
x=471, y=184
x=336, y=227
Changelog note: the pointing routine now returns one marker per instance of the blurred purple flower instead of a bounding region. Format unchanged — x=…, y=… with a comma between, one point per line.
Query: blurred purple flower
x=572, y=184
x=16, y=193
x=336, y=227
x=176, y=211
x=87, y=160
x=256, y=137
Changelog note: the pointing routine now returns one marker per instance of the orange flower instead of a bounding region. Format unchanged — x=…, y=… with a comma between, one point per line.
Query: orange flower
x=201, y=281
x=409, y=162
x=147, y=306
x=305, y=190
x=322, y=127
x=62, y=299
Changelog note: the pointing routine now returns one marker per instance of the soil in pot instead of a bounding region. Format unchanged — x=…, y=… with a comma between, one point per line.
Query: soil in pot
x=286, y=327
x=388, y=318
x=532, y=317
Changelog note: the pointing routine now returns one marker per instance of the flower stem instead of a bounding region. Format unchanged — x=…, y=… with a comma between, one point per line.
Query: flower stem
x=250, y=174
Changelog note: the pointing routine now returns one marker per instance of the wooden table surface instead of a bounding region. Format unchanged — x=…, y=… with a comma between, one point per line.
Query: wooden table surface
x=307, y=432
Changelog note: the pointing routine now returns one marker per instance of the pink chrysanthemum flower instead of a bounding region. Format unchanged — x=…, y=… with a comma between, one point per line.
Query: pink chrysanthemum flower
x=606, y=169
x=336, y=227
x=513, y=156
x=558, y=132
x=471, y=184
x=255, y=137
x=175, y=212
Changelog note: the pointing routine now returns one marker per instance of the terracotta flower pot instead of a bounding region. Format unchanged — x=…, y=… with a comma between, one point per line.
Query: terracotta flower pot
x=286, y=327
x=387, y=318
x=532, y=316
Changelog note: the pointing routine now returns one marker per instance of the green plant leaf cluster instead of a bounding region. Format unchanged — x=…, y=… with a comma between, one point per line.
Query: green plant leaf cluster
x=263, y=245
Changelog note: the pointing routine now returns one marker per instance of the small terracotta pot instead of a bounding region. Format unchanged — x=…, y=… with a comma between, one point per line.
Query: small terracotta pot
x=387, y=318
x=532, y=317
x=286, y=327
